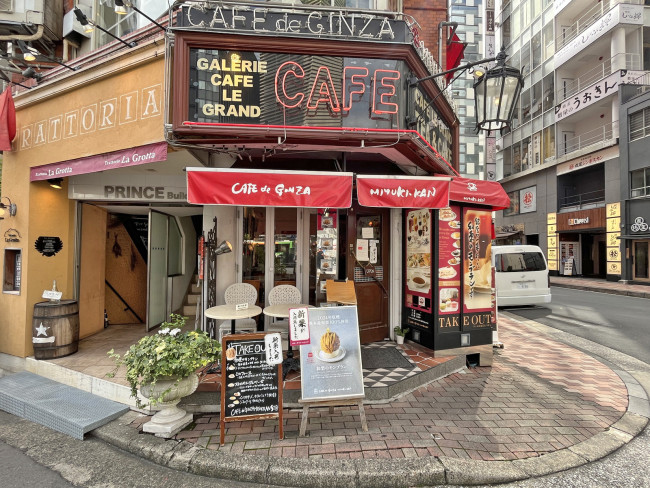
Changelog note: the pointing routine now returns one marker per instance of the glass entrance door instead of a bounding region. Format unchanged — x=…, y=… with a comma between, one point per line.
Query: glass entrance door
x=641, y=261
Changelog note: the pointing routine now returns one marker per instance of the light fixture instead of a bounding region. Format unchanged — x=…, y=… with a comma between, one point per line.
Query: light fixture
x=496, y=94
x=11, y=207
x=56, y=183
x=32, y=73
x=223, y=248
x=120, y=9
x=29, y=53
x=89, y=26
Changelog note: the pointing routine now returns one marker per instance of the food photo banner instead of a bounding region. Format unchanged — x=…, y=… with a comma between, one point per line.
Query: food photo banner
x=207, y=186
x=402, y=191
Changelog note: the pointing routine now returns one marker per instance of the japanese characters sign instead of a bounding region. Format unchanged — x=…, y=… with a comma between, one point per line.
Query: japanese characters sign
x=528, y=200
x=402, y=191
x=477, y=258
x=331, y=364
x=298, y=326
x=588, y=160
x=206, y=186
x=273, y=343
x=596, y=92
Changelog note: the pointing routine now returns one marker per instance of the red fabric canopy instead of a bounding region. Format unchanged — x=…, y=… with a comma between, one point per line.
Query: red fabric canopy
x=403, y=191
x=479, y=192
x=7, y=120
x=260, y=188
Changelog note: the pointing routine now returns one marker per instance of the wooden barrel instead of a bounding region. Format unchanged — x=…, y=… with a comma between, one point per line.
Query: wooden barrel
x=55, y=329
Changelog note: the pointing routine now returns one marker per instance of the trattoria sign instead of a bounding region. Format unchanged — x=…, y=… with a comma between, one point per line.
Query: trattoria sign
x=259, y=188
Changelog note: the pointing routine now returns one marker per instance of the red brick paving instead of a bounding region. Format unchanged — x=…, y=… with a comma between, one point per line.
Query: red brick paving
x=539, y=396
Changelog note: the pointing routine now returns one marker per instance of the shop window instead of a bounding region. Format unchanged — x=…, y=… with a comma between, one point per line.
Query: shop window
x=516, y=158
x=506, y=38
x=536, y=100
x=513, y=209
x=549, y=92
x=640, y=183
x=121, y=25
x=525, y=106
x=12, y=271
x=536, y=47
x=525, y=154
x=525, y=59
x=639, y=123
x=548, y=41
x=548, y=143
x=507, y=162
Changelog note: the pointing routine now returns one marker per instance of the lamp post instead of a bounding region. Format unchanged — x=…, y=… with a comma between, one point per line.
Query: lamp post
x=495, y=92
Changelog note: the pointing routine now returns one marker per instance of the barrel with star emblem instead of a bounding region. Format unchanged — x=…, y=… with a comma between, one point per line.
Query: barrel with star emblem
x=55, y=329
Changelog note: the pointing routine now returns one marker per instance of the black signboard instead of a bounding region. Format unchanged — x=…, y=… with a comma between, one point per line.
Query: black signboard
x=48, y=246
x=250, y=387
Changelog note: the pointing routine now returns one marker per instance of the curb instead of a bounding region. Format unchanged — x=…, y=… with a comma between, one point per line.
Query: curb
x=610, y=291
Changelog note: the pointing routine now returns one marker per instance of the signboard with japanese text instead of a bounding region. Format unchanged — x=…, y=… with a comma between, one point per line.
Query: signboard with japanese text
x=477, y=262
x=613, y=210
x=588, y=160
x=402, y=191
x=298, y=326
x=430, y=124
x=331, y=364
x=250, y=387
x=206, y=186
x=417, y=284
x=273, y=344
x=596, y=92
x=449, y=269
x=528, y=200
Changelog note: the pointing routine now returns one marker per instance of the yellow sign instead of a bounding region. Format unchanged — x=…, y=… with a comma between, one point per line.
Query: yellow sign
x=551, y=218
x=614, y=224
x=614, y=268
x=613, y=210
x=613, y=254
x=613, y=239
x=552, y=265
x=552, y=254
x=552, y=229
x=552, y=242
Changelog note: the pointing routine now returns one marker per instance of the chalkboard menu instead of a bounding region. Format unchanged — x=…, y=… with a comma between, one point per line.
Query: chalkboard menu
x=250, y=387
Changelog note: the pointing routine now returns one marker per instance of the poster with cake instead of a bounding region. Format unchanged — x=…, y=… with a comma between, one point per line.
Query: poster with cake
x=449, y=259
x=331, y=363
x=477, y=255
x=417, y=281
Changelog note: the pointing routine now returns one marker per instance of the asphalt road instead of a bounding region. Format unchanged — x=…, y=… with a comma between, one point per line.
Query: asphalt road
x=615, y=321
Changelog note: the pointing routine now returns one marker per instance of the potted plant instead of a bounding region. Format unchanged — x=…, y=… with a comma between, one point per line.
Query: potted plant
x=163, y=368
x=400, y=333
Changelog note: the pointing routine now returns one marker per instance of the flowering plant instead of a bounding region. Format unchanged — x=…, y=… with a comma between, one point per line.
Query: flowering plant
x=170, y=352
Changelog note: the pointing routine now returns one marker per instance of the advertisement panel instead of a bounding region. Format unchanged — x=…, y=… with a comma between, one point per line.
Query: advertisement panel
x=477, y=278
x=449, y=260
x=417, y=283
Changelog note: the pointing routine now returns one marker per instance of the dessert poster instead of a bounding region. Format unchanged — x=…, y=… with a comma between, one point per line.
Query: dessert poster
x=449, y=259
x=417, y=281
x=331, y=364
x=477, y=255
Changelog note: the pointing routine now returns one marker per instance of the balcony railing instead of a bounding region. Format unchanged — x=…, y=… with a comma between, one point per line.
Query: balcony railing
x=605, y=133
x=632, y=61
x=583, y=200
x=588, y=18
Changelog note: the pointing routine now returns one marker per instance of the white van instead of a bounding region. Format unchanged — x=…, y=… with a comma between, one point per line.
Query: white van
x=521, y=275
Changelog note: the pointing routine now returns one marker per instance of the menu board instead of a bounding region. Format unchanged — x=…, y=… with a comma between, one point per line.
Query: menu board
x=449, y=270
x=250, y=387
x=326, y=252
x=418, y=283
x=477, y=256
x=331, y=363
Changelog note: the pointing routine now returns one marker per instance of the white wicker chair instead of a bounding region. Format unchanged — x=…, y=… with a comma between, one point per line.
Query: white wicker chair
x=283, y=294
x=239, y=293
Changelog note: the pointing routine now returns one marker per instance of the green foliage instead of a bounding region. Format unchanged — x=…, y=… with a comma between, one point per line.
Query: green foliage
x=399, y=331
x=170, y=352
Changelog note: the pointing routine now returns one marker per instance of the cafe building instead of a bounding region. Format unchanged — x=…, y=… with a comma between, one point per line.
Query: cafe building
x=301, y=137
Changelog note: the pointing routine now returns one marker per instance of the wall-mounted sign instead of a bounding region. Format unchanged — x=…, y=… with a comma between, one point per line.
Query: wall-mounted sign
x=620, y=14
x=48, y=246
x=596, y=92
x=551, y=218
x=613, y=210
x=262, y=20
x=279, y=89
x=528, y=200
x=418, y=229
x=639, y=225
x=12, y=235
x=578, y=221
x=430, y=124
x=588, y=160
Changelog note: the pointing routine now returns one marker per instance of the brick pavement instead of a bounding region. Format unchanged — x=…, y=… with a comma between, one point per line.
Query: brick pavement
x=539, y=396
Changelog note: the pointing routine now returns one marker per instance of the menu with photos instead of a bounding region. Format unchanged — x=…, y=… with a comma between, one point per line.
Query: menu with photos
x=449, y=260
x=418, y=224
x=477, y=260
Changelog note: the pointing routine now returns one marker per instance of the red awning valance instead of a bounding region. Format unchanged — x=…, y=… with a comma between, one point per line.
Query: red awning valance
x=260, y=188
x=479, y=192
x=403, y=191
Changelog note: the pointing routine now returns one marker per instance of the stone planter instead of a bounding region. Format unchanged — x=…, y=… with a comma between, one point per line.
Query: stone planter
x=170, y=419
x=399, y=339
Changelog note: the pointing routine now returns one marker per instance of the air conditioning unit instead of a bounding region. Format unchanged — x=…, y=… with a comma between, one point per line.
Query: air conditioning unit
x=6, y=5
x=24, y=17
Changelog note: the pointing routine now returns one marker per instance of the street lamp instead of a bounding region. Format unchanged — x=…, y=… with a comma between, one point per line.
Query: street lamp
x=495, y=92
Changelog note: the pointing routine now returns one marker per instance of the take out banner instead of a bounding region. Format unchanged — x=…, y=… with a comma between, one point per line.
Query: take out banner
x=258, y=188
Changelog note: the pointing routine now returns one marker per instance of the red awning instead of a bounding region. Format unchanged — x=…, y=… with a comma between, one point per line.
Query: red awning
x=479, y=192
x=259, y=188
x=403, y=191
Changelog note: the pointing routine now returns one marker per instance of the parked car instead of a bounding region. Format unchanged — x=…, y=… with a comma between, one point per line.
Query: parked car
x=521, y=275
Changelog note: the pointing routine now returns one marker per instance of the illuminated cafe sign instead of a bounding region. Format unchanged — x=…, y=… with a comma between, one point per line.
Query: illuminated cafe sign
x=260, y=88
x=320, y=24
x=430, y=125
x=583, y=220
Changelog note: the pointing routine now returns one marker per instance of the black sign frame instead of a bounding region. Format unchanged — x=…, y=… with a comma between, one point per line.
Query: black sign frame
x=231, y=348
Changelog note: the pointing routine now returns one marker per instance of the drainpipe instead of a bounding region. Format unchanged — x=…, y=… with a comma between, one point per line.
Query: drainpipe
x=25, y=37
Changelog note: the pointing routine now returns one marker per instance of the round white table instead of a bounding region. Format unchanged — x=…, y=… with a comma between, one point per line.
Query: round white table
x=281, y=310
x=230, y=312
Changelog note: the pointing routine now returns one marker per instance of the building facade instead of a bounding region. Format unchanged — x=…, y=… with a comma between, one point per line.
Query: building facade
x=561, y=161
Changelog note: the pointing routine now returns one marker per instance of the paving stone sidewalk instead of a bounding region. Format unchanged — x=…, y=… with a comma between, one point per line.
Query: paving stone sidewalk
x=538, y=397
